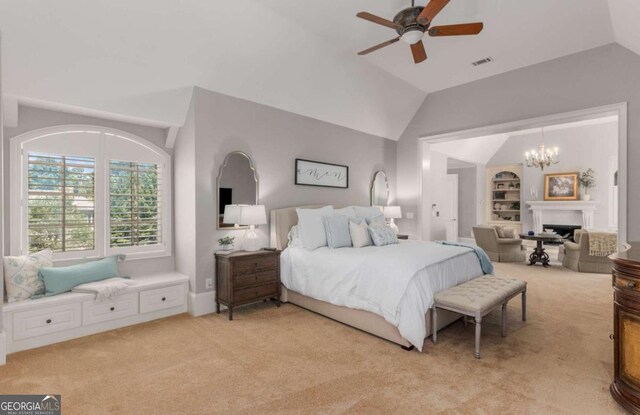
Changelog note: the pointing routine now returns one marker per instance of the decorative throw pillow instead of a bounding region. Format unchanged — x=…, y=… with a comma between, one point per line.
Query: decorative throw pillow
x=21, y=274
x=337, y=229
x=62, y=279
x=359, y=234
x=500, y=231
x=311, y=226
x=367, y=211
x=358, y=220
x=376, y=220
x=348, y=211
x=509, y=233
x=382, y=235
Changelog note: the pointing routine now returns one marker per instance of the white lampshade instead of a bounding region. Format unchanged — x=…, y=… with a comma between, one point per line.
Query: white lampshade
x=231, y=214
x=252, y=215
x=392, y=212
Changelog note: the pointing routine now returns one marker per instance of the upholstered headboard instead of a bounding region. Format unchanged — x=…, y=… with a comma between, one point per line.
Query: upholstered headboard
x=282, y=220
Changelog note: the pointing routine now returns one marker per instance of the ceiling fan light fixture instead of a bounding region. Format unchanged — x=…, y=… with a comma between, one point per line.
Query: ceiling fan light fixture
x=412, y=36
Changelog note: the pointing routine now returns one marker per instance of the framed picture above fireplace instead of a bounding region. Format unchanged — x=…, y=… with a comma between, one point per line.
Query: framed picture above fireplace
x=561, y=186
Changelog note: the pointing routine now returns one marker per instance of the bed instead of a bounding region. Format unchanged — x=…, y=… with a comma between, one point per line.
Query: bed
x=385, y=291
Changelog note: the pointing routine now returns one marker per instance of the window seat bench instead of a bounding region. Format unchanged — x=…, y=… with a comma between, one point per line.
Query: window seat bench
x=39, y=322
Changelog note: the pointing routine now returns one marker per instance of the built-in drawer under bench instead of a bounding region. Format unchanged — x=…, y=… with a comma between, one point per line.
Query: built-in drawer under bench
x=38, y=322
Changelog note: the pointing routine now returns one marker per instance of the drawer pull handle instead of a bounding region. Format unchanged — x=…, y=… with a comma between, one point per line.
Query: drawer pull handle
x=612, y=336
x=112, y=308
x=631, y=285
x=49, y=321
x=164, y=298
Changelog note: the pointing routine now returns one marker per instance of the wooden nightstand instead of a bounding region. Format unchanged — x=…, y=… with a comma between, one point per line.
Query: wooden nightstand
x=405, y=237
x=246, y=277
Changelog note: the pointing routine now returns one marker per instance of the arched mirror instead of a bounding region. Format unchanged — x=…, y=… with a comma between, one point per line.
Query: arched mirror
x=380, y=189
x=237, y=185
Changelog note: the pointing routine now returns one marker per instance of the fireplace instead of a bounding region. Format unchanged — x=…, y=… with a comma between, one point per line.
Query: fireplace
x=566, y=231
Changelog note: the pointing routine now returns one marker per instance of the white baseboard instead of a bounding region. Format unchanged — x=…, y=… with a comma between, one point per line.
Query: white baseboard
x=3, y=348
x=201, y=304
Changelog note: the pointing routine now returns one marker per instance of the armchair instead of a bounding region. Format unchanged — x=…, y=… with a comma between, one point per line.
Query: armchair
x=499, y=249
x=577, y=258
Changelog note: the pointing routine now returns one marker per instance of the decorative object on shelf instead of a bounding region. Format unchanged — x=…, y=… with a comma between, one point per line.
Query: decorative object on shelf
x=227, y=242
x=534, y=193
x=237, y=184
x=314, y=173
x=543, y=158
x=531, y=233
x=379, y=189
x=247, y=215
x=561, y=186
x=588, y=181
x=391, y=213
x=504, y=195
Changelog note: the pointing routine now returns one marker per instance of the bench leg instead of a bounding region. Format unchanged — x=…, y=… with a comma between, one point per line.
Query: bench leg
x=524, y=305
x=478, y=331
x=504, y=319
x=434, y=324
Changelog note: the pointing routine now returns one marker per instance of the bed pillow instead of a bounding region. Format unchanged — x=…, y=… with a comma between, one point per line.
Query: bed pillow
x=359, y=234
x=376, y=220
x=337, y=230
x=382, y=235
x=311, y=227
x=293, y=237
x=367, y=211
x=348, y=211
x=62, y=279
x=21, y=274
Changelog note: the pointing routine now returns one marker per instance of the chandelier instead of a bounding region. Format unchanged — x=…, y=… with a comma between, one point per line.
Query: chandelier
x=543, y=158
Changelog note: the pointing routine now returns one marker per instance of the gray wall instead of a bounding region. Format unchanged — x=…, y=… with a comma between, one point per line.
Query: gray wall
x=580, y=148
x=466, y=199
x=184, y=198
x=600, y=76
x=273, y=139
x=30, y=119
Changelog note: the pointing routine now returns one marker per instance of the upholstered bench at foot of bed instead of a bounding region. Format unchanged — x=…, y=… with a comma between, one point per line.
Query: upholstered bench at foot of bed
x=479, y=297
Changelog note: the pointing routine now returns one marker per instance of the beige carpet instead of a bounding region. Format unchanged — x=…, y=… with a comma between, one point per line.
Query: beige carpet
x=288, y=360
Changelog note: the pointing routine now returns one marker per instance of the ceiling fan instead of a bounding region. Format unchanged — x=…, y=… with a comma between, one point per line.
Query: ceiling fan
x=411, y=24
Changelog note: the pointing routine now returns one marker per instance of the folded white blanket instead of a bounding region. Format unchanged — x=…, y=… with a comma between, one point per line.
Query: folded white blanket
x=105, y=290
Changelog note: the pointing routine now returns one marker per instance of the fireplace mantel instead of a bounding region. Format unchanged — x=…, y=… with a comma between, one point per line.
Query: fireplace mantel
x=586, y=207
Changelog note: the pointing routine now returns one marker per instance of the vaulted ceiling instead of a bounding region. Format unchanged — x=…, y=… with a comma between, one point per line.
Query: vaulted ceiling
x=140, y=58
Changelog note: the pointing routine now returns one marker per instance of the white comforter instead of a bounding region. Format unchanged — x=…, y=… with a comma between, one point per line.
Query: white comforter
x=397, y=282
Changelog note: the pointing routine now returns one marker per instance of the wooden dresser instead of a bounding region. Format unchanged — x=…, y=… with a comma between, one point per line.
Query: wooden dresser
x=626, y=324
x=246, y=277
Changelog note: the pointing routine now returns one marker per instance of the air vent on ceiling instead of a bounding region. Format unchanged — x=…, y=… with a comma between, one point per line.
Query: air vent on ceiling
x=482, y=61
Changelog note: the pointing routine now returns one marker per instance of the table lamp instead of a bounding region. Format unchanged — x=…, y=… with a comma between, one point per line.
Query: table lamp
x=251, y=215
x=391, y=213
x=231, y=215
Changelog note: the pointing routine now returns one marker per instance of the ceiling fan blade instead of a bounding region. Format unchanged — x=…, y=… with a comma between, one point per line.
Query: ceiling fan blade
x=380, y=46
x=456, y=29
x=379, y=20
x=430, y=11
x=419, y=54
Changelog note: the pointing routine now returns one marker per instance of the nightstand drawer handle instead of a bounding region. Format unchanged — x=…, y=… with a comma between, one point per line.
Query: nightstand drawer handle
x=164, y=298
x=631, y=285
x=112, y=308
x=49, y=321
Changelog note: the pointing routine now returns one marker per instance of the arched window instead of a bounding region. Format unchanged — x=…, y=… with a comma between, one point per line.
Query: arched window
x=87, y=191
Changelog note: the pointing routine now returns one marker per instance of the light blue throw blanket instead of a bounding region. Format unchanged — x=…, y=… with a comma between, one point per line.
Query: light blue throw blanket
x=485, y=262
